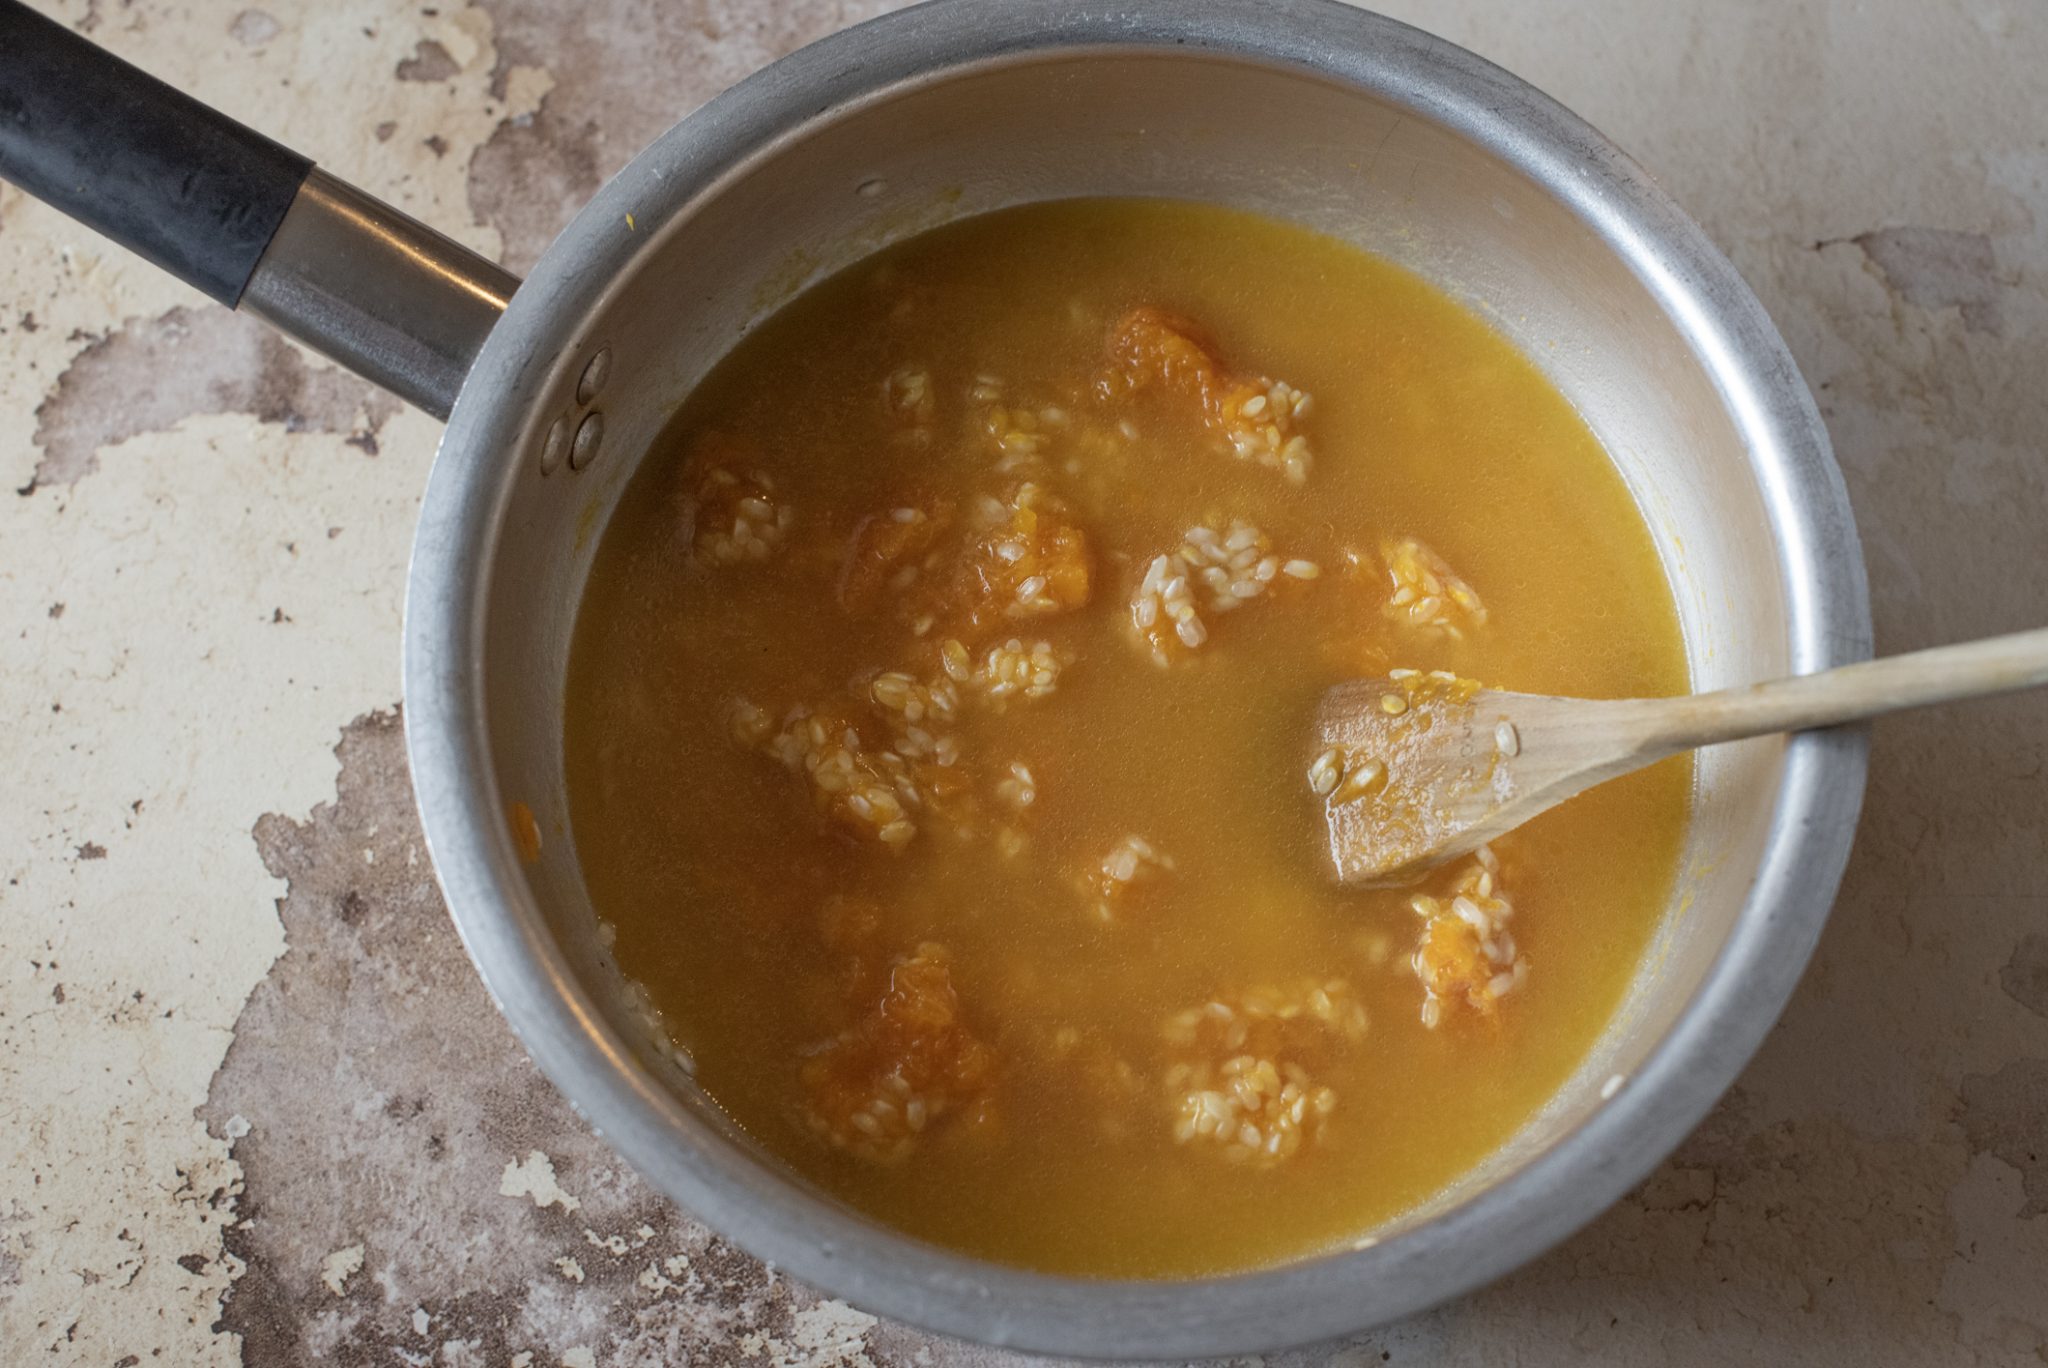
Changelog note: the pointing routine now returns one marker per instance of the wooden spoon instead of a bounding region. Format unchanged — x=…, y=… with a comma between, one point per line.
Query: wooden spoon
x=1416, y=769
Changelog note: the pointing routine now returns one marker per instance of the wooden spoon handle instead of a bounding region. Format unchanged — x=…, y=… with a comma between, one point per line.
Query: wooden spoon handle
x=1851, y=693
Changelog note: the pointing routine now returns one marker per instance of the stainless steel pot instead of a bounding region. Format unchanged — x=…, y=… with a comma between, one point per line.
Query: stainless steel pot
x=1306, y=110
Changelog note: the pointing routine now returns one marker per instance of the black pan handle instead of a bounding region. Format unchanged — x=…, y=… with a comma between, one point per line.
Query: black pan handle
x=152, y=168
x=251, y=223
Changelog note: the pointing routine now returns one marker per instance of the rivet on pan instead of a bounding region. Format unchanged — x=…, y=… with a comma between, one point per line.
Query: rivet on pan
x=554, y=447
x=588, y=435
x=594, y=376
x=872, y=188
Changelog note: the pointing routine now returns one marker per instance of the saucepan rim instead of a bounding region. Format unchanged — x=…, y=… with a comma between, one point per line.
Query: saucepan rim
x=772, y=1215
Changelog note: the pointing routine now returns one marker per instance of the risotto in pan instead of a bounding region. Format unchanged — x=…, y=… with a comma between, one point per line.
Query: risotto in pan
x=936, y=720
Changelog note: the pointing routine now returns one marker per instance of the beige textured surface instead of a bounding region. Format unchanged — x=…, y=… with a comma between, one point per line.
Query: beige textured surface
x=255, y=1107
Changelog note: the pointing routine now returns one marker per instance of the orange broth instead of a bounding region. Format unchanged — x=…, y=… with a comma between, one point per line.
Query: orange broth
x=989, y=894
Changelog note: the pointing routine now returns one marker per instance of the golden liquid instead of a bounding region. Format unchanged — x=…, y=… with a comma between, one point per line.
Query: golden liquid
x=712, y=862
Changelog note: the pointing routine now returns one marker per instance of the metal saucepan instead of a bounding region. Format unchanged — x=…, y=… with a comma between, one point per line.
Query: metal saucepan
x=1306, y=110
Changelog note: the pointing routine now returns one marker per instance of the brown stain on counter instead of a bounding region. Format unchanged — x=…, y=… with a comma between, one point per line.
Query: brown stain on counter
x=2025, y=976
x=429, y=62
x=150, y=374
x=623, y=72
x=1939, y=268
x=2005, y=1114
x=374, y=1099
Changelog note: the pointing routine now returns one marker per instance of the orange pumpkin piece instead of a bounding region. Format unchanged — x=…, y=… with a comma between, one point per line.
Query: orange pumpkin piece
x=887, y=551
x=880, y=1086
x=1033, y=561
x=1257, y=416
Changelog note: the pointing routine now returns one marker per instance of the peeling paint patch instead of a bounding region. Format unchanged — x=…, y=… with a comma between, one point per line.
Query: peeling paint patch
x=429, y=62
x=621, y=75
x=381, y=1093
x=532, y=176
x=2005, y=1114
x=337, y=1268
x=151, y=374
x=831, y=1333
x=1993, y=1284
x=534, y=1177
x=1937, y=268
x=2025, y=975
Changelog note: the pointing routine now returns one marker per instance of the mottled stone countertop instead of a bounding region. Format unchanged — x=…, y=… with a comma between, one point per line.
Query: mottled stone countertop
x=254, y=1106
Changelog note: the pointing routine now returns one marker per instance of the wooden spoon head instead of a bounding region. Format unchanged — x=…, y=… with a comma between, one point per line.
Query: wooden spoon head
x=1420, y=763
